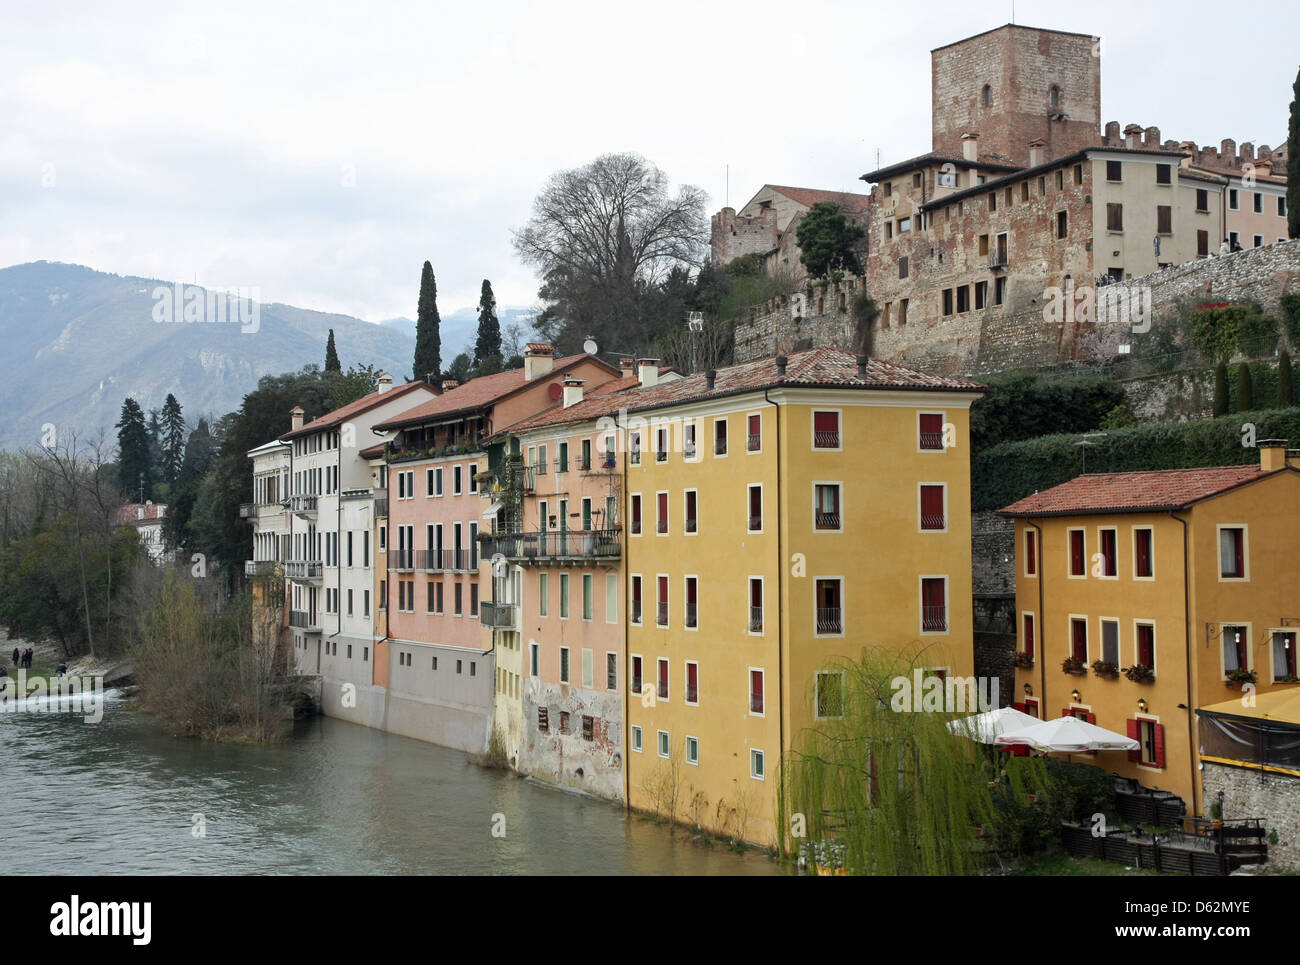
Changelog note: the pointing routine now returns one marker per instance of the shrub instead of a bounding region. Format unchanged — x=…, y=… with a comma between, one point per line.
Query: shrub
x=1284, y=387
x=1245, y=393
x=1024, y=405
x=1221, y=389
x=1291, y=317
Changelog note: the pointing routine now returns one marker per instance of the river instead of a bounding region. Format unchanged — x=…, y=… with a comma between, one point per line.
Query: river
x=121, y=797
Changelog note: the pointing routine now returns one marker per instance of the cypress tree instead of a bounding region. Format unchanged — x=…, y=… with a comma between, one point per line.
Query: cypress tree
x=1284, y=400
x=428, y=339
x=157, y=454
x=173, y=439
x=488, y=343
x=134, y=469
x=1245, y=390
x=1220, y=389
x=1293, y=164
x=332, y=355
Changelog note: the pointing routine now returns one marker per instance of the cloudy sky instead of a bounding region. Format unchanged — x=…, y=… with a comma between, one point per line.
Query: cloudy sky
x=320, y=152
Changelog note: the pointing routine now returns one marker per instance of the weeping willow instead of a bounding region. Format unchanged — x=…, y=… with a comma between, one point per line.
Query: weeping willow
x=879, y=791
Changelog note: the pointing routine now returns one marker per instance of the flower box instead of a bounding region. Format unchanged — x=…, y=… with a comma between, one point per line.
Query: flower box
x=1070, y=665
x=1104, y=668
x=1140, y=673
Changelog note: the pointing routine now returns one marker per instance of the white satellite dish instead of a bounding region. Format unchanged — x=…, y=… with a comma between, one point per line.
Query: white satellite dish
x=590, y=346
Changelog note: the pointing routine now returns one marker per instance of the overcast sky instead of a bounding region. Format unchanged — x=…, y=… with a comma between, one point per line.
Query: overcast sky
x=321, y=152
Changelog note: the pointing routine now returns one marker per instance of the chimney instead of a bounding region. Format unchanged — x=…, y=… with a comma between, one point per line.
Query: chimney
x=295, y=418
x=781, y=361
x=627, y=365
x=970, y=148
x=385, y=381
x=1151, y=139
x=647, y=372
x=449, y=384
x=1131, y=133
x=1036, y=152
x=709, y=378
x=572, y=390
x=1272, y=454
x=1112, y=134
x=538, y=359
x=862, y=366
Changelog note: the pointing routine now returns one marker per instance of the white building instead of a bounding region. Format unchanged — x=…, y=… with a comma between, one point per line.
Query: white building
x=147, y=519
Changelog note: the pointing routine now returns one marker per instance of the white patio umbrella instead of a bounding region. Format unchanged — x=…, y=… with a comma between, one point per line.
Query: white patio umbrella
x=989, y=725
x=1067, y=735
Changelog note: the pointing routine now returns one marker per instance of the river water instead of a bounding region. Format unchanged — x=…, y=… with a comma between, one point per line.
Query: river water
x=121, y=797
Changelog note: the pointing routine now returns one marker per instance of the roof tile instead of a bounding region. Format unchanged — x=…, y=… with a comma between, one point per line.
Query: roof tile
x=1133, y=492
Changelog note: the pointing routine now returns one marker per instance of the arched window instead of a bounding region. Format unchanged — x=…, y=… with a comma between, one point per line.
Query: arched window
x=988, y=96
x=1054, y=96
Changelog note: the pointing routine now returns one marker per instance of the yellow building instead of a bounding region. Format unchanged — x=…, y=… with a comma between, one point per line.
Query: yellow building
x=780, y=515
x=1165, y=591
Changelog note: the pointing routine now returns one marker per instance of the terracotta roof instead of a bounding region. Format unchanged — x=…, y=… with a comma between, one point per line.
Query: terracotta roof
x=1238, y=173
x=374, y=452
x=1134, y=492
x=816, y=368
x=363, y=404
x=854, y=203
x=130, y=513
x=932, y=157
x=484, y=391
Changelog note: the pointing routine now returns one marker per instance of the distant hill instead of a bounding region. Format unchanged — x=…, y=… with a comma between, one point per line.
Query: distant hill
x=460, y=328
x=77, y=341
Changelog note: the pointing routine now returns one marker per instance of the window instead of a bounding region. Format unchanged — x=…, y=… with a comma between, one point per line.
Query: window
x=1077, y=559
x=1151, y=740
x=661, y=521
x=692, y=750
x=635, y=521
x=634, y=449
x=636, y=600
x=456, y=480
x=1031, y=553
x=756, y=691
x=1236, y=648
x=1114, y=217
x=756, y=508
x=1284, y=662
x=636, y=674
x=754, y=442
x=437, y=482
x=826, y=430
x=963, y=299
x=947, y=301
x=902, y=311
x=1109, y=557
x=543, y=719
x=1202, y=243
x=986, y=97
x=1114, y=171
x=661, y=618
x=1232, y=553
x=902, y=265
x=1259, y=203
x=692, y=499
x=1164, y=219
x=611, y=671
x=1145, y=644
x=1143, y=561
x=663, y=678
x=829, y=602
x=1202, y=200
x=564, y=722
x=1281, y=208
x=934, y=604
x=933, y=498
x=564, y=665
x=981, y=294
x=930, y=426
x=756, y=765
x=611, y=598
x=473, y=599
x=1027, y=635
x=543, y=594
x=755, y=604
x=459, y=588
x=663, y=743
x=1163, y=174
x=1079, y=639
x=692, y=601
x=588, y=596
x=993, y=201
x=1110, y=642
x=829, y=694
x=564, y=596
x=1232, y=199
x=661, y=445
x=720, y=437
x=473, y=477
x=1024, y=192
x=1060, y=180
x=1060, y=224
x=636, y=738
x=826, y=507
x=534, y=659
x=562, y=460
x=689, y=448
x=1259, y=241
x=692, y=682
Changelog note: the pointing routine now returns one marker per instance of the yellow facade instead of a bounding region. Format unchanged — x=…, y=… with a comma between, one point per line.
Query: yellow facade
x=877, y=556
x=1186, y=601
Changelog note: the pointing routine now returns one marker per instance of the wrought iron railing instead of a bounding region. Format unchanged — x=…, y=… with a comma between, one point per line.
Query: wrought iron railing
x=830, y=619
x=555, y=544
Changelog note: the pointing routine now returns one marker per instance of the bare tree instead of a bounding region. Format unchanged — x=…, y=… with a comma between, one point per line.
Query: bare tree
x=710, y=348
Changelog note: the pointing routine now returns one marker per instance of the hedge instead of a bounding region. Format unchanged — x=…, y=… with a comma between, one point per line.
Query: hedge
x=1004, y=473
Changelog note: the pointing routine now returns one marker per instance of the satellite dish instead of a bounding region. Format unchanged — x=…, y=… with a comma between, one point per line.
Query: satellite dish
x=555, y=390
x=590, y=346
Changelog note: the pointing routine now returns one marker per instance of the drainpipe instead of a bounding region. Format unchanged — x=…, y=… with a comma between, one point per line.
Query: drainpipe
x=1187, y=639
x=1042, y=618
x=627, y=619
x=338, y=533
x=780, y=574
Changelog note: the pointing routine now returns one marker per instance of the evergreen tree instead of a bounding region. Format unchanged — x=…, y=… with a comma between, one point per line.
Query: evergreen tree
x=134, y=469
x=1220, y=390
x=461, y=368
x=1245, y=389
x=428, y=339
x=200, y=454
x=157, y=455
x=173, y=439
x=332, y=355
x=488, y=344
x=1293, y=164
x=1284, y=400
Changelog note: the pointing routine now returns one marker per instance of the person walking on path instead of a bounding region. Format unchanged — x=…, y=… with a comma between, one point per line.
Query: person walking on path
x=16, y=655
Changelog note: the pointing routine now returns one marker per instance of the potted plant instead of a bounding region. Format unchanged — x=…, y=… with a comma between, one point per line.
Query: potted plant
x=1140, y=673
x=1024, y=659
x=1216, y=815
x=1240, y=676
x=1071, y=665
x=1104, y=668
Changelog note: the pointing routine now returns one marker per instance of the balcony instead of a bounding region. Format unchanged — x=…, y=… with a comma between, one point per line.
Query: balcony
x=636, y=618
x=827, y=520
x=401, y=560
x=248, y=510
x=691, y=524
x=934, y=618
x=556, y=546
x=826, y=439
x=304, y=570
x=692, y=615
x=260, y=569
x=830, y=619
x=499, y=616
x=303, y=620
x=998, y=259
x=720, y=447
x=931, y=440
x=755, y=619
x=445, y=561
x=302, y=506
x=754, y=442
x=662, y=616
x=755, y=703
x=932, y=522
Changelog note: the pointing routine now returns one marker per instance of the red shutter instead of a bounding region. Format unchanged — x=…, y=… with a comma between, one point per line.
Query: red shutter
x=1091, y=718
x=826, y=421
x=1019, y=707
x=1143, y=552
x=931, y=422
x=932, y=507
x=1076, y=553
x=1133, y=732
x=1029, y=635
x=691, y=587
x=1067, y=712
x=1160, y=745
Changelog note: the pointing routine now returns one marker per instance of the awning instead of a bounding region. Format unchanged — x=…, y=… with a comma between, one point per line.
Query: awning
x=491, y=511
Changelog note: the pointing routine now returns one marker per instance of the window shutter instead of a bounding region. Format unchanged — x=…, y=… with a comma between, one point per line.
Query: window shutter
x=1019, y=707
x=932, y=501
x=1160, y=745
x=1091, y=719
x=826, y=421
x=1238, y=548
x=1132, y=731
x=1067, y=712
x=931, y=422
